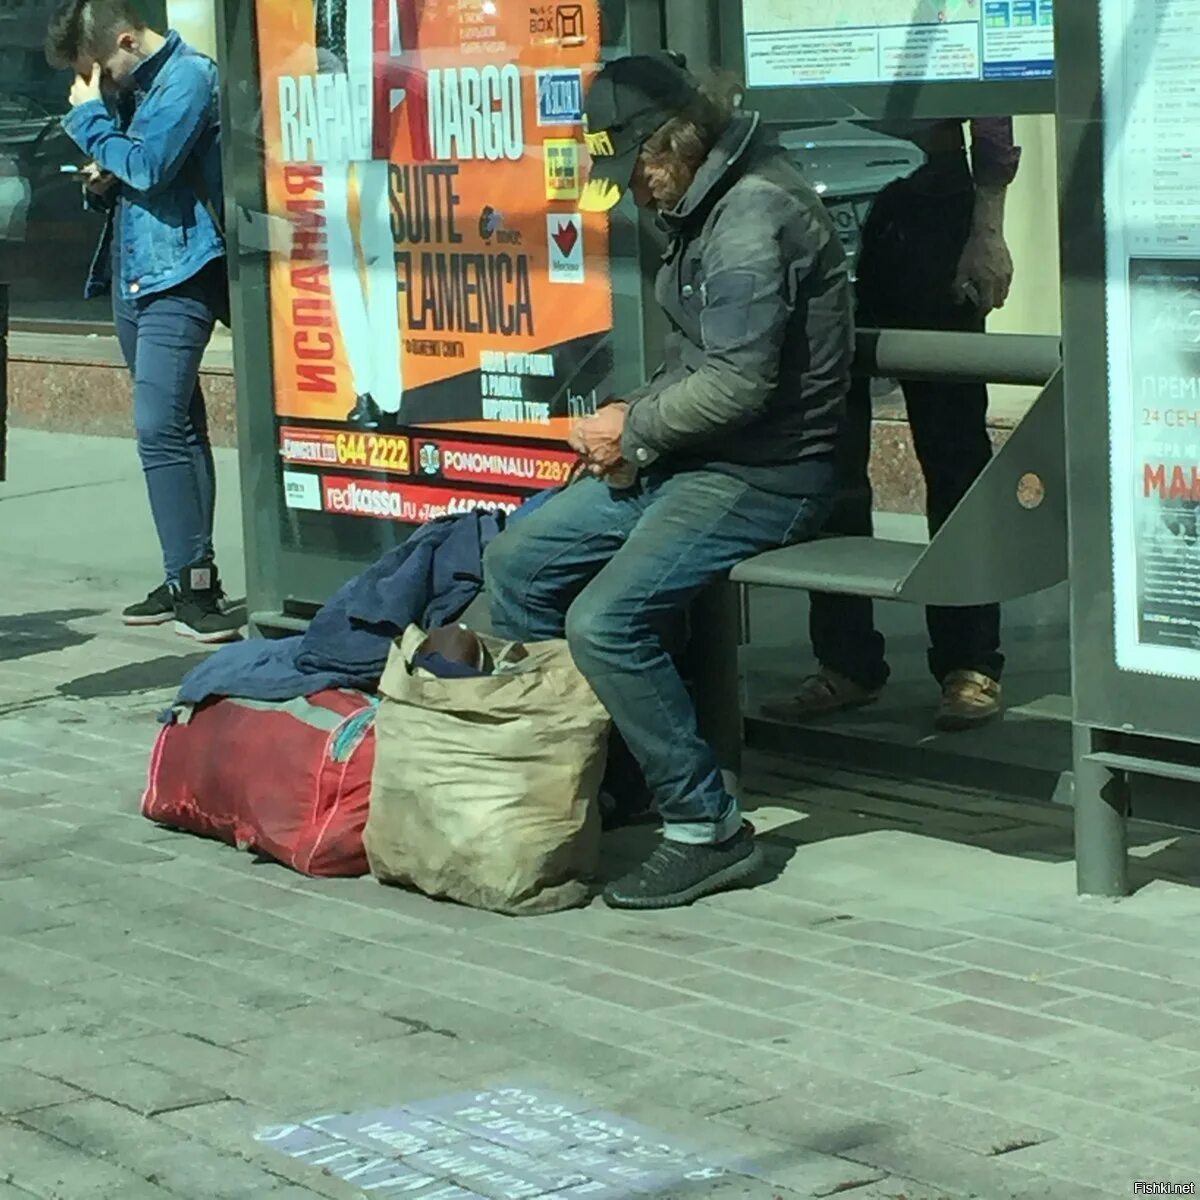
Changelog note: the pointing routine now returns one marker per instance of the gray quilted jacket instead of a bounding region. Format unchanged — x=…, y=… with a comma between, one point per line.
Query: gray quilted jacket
x=757, y=290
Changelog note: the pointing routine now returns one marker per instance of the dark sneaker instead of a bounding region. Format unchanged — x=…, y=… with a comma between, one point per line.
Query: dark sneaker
x=969, y=700
x=365, y=414
x=157, y=609
x=200, y=610
x=678, y=873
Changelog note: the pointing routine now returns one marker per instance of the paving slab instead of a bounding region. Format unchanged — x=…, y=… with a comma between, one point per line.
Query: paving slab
x=917, y=1009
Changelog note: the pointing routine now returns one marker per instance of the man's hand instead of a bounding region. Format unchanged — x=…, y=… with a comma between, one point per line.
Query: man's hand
x=597, y=439
x=985, y=269
x=85, y=90
x=97, y=180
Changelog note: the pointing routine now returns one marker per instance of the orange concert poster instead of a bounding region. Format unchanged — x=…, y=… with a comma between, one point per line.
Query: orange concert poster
x=439, y=306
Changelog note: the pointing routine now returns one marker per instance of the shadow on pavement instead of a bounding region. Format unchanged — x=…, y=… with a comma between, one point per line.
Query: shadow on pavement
x=832, y=805
x=154, y=675
x=26, y=634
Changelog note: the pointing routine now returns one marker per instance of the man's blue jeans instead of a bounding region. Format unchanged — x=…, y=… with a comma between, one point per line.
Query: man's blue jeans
x=609, y=569
x=163, y=339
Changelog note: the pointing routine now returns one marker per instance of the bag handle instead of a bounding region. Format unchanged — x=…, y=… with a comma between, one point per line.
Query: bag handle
x=410, y=643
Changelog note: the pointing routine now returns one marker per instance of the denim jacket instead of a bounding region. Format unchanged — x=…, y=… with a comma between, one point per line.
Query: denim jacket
x=160, y=138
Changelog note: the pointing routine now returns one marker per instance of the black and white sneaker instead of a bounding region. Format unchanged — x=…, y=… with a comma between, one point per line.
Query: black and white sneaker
x=678, y=873
x=200, y=610
x=157, y=609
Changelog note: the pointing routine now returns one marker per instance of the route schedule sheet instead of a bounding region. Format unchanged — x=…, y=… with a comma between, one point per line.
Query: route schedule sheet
x=806, y=43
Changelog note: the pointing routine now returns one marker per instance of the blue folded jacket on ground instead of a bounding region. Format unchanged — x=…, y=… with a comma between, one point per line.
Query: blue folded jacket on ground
x=430, y=581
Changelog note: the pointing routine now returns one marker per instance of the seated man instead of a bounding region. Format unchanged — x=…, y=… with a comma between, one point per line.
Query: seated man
x=725, y=452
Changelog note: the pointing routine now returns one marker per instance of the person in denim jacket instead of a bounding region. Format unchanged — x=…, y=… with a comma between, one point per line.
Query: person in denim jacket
x=727, y=450
x=144, y=110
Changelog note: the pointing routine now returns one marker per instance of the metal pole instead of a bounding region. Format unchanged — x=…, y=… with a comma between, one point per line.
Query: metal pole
x=691, y=29
x=1101, y=809
x=712, y=656
x=258, y=460
x=1015, y=358
x=3, y=381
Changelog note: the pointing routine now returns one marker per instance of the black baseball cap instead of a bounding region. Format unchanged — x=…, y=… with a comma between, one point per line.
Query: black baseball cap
x=629, y=101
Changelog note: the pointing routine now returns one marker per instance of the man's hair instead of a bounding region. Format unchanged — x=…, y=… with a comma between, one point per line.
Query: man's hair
x=89, y=29
x=674, y=152
x=689, y=136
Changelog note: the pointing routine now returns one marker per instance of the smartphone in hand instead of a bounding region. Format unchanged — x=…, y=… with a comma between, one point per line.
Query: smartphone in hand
x=95, y=178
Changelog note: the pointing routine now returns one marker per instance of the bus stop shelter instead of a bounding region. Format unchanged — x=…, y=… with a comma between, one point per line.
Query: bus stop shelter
x=433, y=265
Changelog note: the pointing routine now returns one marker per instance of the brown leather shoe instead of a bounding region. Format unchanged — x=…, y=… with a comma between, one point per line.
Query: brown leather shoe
x=969, y=699
x=819, y=694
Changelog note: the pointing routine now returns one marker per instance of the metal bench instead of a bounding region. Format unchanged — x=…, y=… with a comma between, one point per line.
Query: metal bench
x=1006, y=538
x=1008, y=535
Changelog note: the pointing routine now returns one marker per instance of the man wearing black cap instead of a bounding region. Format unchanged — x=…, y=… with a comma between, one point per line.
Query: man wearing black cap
x=725, y=452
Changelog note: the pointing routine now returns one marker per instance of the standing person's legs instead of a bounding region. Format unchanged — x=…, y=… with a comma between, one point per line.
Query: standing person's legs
x=159, y=605
x=849, y=649
x=949, y=427
x=843, y=630
x=847, y=645
x=172, y=331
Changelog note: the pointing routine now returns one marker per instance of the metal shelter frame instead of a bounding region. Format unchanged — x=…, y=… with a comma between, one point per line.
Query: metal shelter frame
x=1135, y=735
x=1117, y=718
x=3, y=381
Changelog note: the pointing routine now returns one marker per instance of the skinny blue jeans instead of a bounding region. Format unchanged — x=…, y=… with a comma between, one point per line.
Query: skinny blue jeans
x=163, y=338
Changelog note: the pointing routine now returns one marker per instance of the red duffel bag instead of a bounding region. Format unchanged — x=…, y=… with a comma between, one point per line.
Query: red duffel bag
x=290, y=780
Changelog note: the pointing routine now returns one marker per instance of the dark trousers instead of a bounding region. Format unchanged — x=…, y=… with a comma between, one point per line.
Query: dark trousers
x=163, y=339
x=911, y=245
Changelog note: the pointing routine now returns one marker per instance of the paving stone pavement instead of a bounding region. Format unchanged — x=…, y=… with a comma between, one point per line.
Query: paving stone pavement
x=916, y=1007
